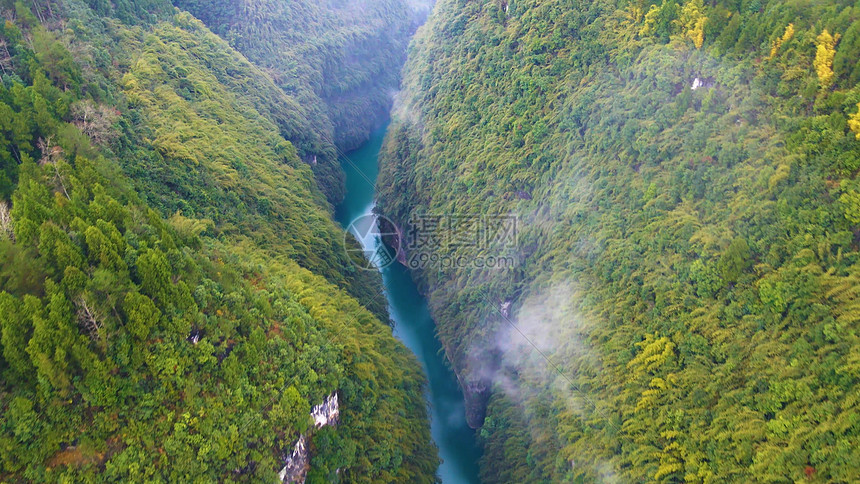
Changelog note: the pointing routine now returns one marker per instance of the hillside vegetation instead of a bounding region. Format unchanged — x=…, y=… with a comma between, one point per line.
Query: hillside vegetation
x=173, y=294
x=339, y=59
x=685, y=176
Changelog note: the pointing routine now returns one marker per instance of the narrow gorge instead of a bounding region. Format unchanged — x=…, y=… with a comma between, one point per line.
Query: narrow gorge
x=404, y=241
x=412, y=321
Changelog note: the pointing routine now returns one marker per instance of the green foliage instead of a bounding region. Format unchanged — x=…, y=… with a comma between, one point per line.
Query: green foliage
x=706, y=278
x=132, y=12
x=851, y=205
x=138, y=342
x=705, y=241
x=734, y=261
x=201, y=137
x=340, y=60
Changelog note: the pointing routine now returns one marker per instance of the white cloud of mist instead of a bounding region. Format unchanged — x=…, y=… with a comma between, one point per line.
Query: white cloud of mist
x=420, y=8
x=404, y=112
x=539, y=339
x=541, y=347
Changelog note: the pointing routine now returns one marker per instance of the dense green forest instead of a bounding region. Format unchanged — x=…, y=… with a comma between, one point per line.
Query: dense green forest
x=340, y=59
x=173, y=293
x=686, y=299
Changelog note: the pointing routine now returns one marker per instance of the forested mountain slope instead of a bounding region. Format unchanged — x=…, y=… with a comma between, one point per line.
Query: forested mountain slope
x=685, y=302
x=339, y=59
x=203, y=141
x=173, y=294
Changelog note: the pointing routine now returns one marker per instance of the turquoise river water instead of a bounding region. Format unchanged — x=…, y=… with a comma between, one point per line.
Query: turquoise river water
x=414, y=326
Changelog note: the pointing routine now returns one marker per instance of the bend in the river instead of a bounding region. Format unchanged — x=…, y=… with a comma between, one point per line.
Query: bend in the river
x=414, y=326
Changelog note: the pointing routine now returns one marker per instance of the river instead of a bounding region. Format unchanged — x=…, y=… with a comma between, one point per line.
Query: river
x=414, y=327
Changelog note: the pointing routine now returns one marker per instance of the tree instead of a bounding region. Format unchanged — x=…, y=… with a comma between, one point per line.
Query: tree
x=825, y=51
x=153, y=269
x=94, y=259
x=778, y=43
x=661, y=21
x=692, y=22
x=88, y=319
x=734, y=261
x=854, y=122
x=850, y=201
x=57, y=248
x=52, y=156
x=24, y=419
x=705, y=277
x=56, y=59
x=102, y=250
x=16, y=326
x=53, y=341
x=95, y=120
x=5, y=58
x=142, y=314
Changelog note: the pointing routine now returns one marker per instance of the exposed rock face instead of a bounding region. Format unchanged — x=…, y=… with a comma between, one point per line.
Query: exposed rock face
x=297, y=464
x=194, y=336
x=6, y=231
x=505, y=308
x=702, y=83
x=327, y=412
x=476, y=395
x=392, y=236
x=476, y=380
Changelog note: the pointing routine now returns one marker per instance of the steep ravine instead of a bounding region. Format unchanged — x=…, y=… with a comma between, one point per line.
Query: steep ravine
x=414, y=326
